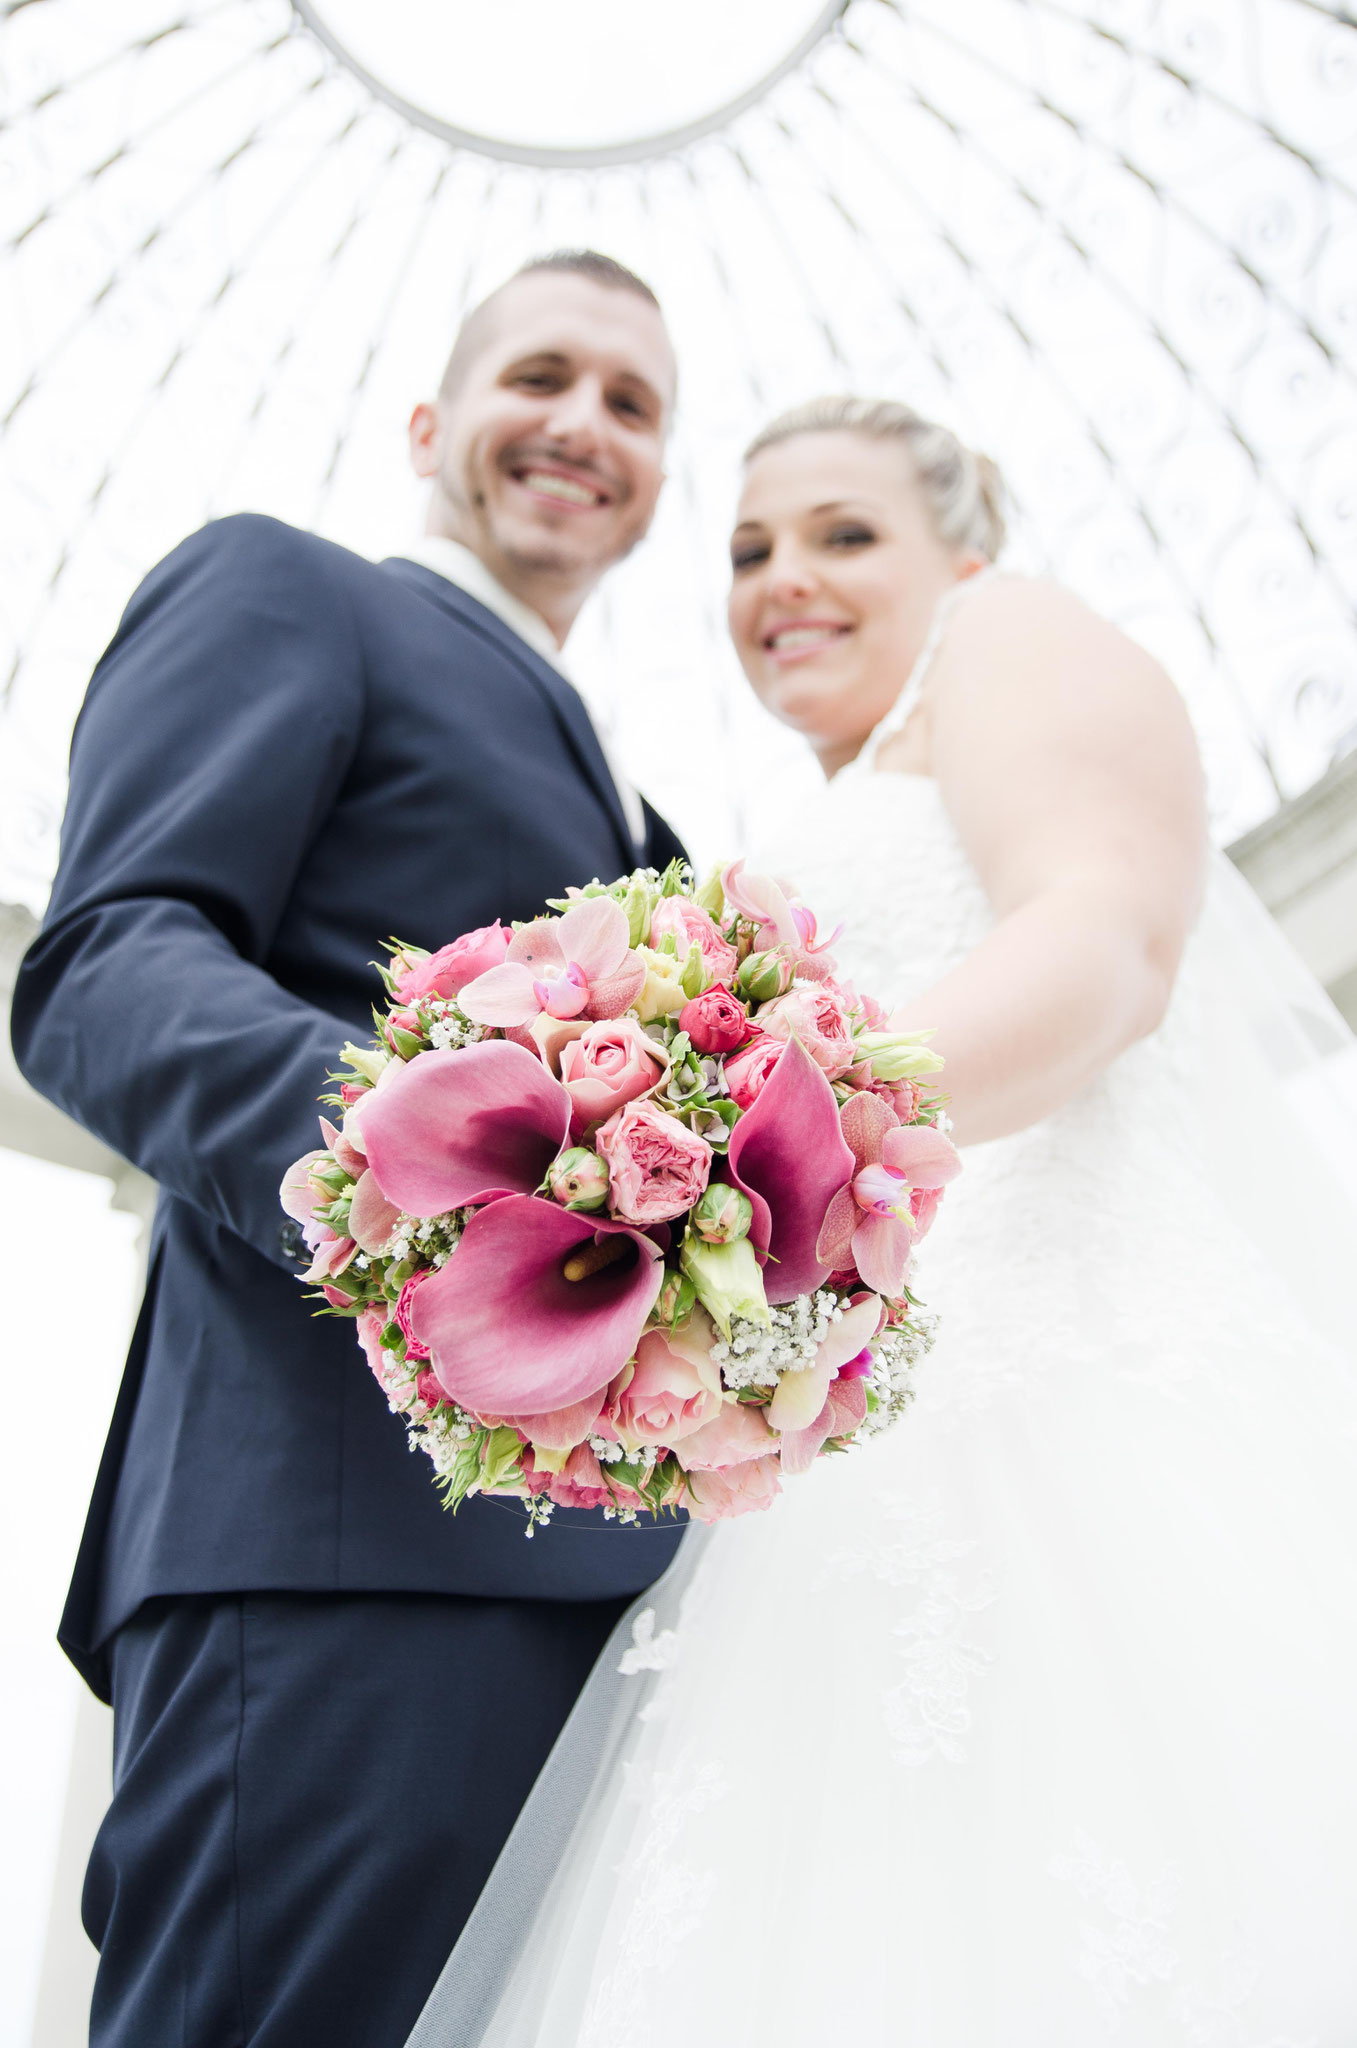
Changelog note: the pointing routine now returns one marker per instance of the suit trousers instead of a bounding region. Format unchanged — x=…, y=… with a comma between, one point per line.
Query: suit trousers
x=309, y=1793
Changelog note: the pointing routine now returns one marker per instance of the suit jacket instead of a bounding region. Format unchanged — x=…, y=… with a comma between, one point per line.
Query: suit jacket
x=287, y=755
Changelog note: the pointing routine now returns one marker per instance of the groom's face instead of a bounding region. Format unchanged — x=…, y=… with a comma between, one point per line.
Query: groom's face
x=547, y=451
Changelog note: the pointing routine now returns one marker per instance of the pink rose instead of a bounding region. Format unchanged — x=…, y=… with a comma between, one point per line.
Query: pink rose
x=607, y=1065
x=414, y=1350
x=738, y=1434
x=447, y=972
x=672, y=1389
x=750, y=1068
x=657, y=1167
x=744, y=1489
x=716, y=1020
x=816, y=1016
x=691, y=926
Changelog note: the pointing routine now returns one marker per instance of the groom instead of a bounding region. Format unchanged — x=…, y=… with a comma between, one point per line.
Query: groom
x=330, y=1697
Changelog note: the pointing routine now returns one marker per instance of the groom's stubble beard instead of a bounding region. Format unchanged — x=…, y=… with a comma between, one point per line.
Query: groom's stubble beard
x=470, y=502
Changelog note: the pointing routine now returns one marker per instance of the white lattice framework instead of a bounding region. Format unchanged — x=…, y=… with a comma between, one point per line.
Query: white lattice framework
x=1115, y=243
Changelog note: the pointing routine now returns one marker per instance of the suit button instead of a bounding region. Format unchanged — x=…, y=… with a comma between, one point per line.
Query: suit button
x=290, y=1242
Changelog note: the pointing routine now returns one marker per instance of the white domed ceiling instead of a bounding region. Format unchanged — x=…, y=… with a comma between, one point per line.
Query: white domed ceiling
x=1113, y=243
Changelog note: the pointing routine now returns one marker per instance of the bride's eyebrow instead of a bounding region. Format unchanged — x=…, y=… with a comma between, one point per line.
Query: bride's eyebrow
x=842, y=505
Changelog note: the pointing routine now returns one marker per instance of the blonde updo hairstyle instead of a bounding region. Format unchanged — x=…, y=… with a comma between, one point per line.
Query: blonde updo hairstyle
x=964, y=491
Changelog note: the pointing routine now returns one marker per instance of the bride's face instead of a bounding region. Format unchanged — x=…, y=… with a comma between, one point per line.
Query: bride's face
x=836, y=572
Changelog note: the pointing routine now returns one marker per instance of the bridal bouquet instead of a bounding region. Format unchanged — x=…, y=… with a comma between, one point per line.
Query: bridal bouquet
x=623, y=1200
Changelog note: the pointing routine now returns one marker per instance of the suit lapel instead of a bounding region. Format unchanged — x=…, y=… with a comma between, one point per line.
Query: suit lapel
x=564, y=699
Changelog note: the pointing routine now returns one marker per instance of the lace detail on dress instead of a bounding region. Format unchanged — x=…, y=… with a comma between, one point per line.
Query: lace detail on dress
x=928, y=1713
x=667, y=1899
x=1129, y=1946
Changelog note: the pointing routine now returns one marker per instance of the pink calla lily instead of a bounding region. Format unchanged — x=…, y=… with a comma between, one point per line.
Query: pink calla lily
x=459, y=1127
x=871, y=1224
x=789, y=1156
x=559, y=967
x=508, y=1334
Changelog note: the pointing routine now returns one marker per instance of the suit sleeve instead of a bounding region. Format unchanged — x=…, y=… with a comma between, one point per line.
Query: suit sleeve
x=215, y=736
x=662, y=842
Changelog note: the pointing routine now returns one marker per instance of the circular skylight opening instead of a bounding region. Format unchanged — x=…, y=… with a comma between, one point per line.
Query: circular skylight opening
x=598, y=82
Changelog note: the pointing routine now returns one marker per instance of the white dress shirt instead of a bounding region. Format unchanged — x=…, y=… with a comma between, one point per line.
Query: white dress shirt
x=449, y=558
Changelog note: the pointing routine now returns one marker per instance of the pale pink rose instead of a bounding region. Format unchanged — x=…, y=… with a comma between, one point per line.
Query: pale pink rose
x=692, y=926
x=733, y=1437
x=672, y=1389
x=744, y=1489
x=447, y=972
x=607, y=1065
x=657, y=1167
x=816, y=1016
x=746, y=1073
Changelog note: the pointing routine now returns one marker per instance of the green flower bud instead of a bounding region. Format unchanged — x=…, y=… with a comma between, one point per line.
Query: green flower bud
x=694, y=975
x=722, y=1214
x=639, y=906
x=366, y=1060
x=898, y=1055
x=578, y=1179
x=711, y=896
x=763, y=976
x=727, y=1279
x=674, y=1300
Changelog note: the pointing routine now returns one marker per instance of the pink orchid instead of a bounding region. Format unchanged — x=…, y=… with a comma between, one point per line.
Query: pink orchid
x=571, y=966
x=798, y=1408
x=459, y=1127
x=871, y=1223
x=768, y=904
x=788, y=1154
x=844, y=1411
x=558, y=1341
x=372, y=1218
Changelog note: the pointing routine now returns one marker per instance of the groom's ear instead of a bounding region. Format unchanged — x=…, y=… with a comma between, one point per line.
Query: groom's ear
x=426, y=431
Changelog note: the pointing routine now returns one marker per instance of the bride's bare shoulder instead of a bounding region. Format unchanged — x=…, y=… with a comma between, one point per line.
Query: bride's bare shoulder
x=1016, y=634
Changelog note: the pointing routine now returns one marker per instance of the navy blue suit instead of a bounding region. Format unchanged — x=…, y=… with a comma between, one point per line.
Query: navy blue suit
x=287, y=755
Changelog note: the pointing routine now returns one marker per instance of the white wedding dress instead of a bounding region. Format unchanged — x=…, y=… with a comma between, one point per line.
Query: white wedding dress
x=1034, y=1723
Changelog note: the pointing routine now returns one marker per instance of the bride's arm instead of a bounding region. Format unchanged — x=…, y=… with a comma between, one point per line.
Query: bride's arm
x=1066, y=760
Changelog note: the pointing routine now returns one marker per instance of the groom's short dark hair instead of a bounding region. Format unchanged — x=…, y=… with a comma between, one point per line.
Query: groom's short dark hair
x=590, y=263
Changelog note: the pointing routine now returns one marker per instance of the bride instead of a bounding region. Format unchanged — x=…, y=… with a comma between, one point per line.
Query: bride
x=1031, y=1725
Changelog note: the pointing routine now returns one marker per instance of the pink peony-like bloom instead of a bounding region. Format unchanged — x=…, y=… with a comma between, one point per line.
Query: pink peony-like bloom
x=447, y=972
x=901, y=1172
x=692, y=926
x=713, y=1496
x=414, y=1350
x=715, y=1021
x=746, y=1074
x=732, y=1437
x=581, y=1483
x=577, y=965
x=657, y=1167
x=817, y=1017
x=672, y=1389
x=611, y=1063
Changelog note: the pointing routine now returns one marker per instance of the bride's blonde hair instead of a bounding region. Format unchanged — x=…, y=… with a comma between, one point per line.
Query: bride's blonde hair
x=964, y=491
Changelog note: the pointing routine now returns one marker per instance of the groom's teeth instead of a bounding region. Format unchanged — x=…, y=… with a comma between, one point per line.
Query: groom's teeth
x=563, y=487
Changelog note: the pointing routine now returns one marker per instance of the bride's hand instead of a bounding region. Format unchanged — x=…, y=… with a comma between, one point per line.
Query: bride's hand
x=1066, y=760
